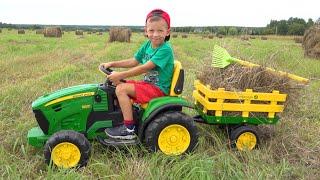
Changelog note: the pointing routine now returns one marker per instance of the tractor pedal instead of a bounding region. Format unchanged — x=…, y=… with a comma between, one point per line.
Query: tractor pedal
x=117, y=142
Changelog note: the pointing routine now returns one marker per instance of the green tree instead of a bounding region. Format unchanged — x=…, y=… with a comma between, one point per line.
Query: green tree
x=296, y=29
x=310, y=23
x=233, y=31
x=282, y=27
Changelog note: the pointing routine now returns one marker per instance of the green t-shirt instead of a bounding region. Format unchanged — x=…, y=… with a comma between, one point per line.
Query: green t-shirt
x=163, y=58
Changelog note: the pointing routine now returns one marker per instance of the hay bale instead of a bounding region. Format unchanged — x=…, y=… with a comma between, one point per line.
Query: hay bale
x=220, y=36
x=210, y=36
x=311, y=42
x=298, y=39
x=184, y=36
x=39, y=31
x=244, y=38
x=264, y=38
x=79, y=33
x=21, y=31
x=252, y=37
x=52, y=32
x=174, y=35
x=89, y=32
x=238, y=78
x=119, y=34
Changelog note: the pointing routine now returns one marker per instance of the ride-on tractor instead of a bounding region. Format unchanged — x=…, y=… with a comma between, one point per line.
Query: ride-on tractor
x=70, y=117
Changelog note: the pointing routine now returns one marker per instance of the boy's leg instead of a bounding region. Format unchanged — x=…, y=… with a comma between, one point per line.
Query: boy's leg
x=124, y=93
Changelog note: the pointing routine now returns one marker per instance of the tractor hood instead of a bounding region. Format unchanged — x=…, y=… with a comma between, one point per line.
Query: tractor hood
x=65, y=94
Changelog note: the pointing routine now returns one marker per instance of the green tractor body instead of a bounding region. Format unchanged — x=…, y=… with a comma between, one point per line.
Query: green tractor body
x=69, y=118
x=89, y=109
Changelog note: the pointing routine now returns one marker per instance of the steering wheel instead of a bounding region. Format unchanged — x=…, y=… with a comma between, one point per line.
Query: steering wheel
x=108, y=71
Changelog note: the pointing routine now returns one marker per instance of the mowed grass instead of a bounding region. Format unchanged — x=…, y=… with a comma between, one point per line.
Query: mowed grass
x=31, y=65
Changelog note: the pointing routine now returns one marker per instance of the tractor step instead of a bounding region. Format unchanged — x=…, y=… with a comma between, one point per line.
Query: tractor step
x=117, y=142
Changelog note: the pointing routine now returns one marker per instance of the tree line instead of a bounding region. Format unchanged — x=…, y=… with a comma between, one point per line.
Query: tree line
x=292, y=26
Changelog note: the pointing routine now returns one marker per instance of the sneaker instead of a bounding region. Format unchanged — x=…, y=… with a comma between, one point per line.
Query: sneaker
x=120, y=132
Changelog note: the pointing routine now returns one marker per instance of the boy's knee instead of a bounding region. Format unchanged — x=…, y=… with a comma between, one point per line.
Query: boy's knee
x=121, y=89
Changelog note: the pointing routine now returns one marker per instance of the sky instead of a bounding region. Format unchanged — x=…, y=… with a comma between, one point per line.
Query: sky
x=249, y=13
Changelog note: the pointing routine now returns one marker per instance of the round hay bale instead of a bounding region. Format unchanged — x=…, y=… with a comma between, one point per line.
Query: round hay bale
x=39, y=31
x=252, y=37
x=244, y=38
x=264, y=38
x=220, y=36
x=79, y=33
x=184, y=36
x=174, y=35
x=311, y=42
x=52, y=32
x=119, y=34
x=210, y=36
x=21, y=31
x=298, y=39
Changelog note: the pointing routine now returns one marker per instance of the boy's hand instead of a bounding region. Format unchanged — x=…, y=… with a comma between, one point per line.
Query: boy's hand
x=115, y=77
x=106, y=65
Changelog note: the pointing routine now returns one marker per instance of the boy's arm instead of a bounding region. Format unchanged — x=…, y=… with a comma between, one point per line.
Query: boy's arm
x=126, y=63
x=137, y=70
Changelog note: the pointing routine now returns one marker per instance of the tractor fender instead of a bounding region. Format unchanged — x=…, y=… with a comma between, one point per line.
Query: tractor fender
x=158, y=106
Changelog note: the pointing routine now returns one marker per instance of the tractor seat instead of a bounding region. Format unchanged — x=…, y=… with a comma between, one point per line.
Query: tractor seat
x=176, y=82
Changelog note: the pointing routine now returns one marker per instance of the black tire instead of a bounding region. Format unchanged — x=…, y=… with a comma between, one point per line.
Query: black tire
x=244, y=138
x=69, y=139
x=177, y=121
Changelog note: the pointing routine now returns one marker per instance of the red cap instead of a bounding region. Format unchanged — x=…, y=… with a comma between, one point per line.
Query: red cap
x=160, y=13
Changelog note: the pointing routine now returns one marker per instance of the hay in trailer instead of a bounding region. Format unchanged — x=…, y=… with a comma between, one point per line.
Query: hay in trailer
x=311, y=42
x=52, y=32
x=21, y=31
x=39, y=31
x=238, y=78
x=119, y=34
x=79, y=33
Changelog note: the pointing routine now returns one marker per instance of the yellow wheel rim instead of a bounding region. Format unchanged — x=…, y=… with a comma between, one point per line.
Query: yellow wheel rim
x=246, y=141
x=66, y=155
x=174, y=140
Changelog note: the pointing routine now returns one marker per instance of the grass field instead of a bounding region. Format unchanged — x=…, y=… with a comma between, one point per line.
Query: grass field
x=31, y=65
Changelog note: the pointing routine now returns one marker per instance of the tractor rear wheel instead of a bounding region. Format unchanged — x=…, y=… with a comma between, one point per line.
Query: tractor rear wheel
x=173, y=133
x=67, y=149
x=244, y=138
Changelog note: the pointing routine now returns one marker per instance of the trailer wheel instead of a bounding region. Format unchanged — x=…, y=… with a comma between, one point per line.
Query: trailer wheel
x=173, y=133
x=244, y=138
x=67, y=149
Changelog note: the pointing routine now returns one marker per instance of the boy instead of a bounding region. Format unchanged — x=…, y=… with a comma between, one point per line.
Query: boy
x=155, y=58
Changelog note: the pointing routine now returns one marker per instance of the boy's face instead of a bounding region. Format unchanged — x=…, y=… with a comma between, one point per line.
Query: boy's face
x=156, y=31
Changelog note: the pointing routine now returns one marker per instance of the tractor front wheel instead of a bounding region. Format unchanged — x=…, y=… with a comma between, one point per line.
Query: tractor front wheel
x=173, y=133
x=67, y=149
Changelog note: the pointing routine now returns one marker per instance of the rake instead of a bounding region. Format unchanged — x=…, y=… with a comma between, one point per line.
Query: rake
x=221, y=59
